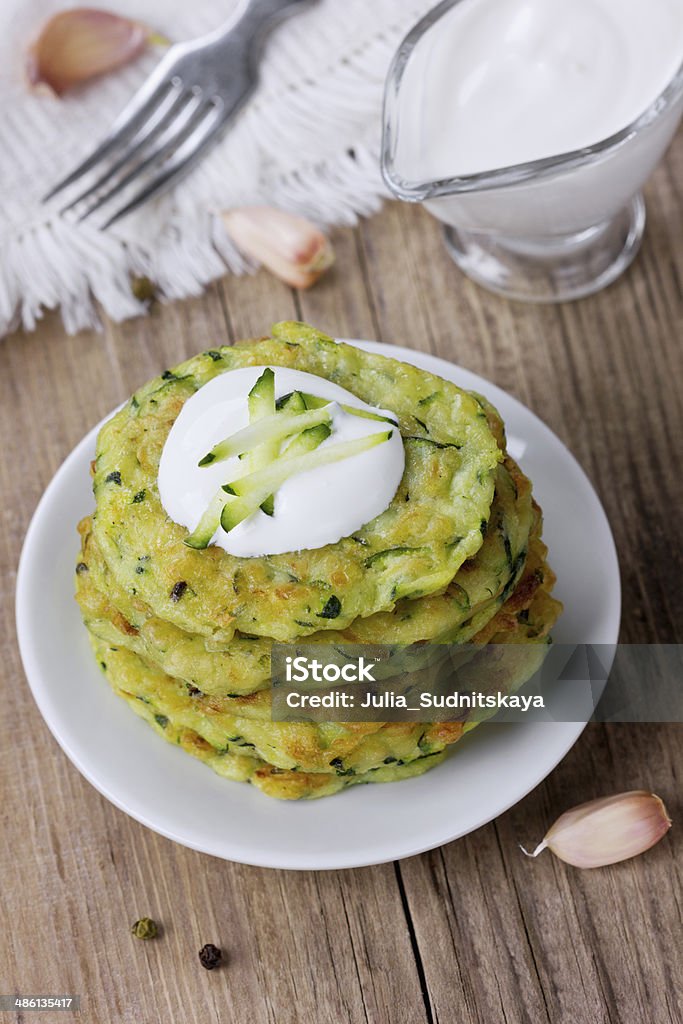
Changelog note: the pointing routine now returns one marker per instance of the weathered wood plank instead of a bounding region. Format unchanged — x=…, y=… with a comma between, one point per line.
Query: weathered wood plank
x=538, y=939
x=494, y=937
x=75, y=871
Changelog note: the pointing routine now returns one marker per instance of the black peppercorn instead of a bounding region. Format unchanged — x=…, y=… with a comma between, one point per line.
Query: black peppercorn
x=210, y=956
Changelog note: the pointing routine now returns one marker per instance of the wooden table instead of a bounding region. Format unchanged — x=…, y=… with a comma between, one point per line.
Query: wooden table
x=472, y=932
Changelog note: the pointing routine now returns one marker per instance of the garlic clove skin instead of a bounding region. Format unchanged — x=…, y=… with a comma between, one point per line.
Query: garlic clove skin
x=607, y=830
x=289, y=246
x=78, y=44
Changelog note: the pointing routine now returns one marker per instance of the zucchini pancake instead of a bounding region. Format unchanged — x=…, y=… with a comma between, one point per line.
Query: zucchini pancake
x=297, y=489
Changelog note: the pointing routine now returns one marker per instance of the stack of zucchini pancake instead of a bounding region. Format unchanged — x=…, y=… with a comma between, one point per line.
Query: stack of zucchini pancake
x=183, y=629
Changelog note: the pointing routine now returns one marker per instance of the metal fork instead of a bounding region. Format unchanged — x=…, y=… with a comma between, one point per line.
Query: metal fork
x=181, y=110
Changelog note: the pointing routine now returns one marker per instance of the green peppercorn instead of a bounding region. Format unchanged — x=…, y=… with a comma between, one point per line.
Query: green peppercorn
x=143, y=289
x=145, y=928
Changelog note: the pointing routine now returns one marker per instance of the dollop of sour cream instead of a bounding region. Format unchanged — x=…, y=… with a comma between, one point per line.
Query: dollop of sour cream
x=312, y=509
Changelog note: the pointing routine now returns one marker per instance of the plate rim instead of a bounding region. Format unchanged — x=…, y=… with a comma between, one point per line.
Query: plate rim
x=38, y=688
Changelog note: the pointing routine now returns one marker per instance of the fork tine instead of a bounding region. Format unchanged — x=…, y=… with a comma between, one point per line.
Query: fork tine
x=131, y=118
x=151, y=129
x=190, y=117
x=206, y=135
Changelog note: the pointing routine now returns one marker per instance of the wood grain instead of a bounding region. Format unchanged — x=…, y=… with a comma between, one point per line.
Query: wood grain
x=472, y=932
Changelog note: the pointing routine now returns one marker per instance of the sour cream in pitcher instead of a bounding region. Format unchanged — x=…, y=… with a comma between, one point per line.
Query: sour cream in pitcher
x=523, y=80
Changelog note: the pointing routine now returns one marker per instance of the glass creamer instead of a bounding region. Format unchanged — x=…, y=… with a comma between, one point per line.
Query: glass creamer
x=529, y=127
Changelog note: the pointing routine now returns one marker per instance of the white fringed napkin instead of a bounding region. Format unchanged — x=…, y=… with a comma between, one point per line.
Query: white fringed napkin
x=308, y=142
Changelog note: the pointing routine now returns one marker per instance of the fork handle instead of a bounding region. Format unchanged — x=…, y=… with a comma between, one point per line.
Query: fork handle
x=256, y=16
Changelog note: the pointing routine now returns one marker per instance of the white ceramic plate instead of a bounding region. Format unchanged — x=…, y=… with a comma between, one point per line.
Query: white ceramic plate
x=168, y=791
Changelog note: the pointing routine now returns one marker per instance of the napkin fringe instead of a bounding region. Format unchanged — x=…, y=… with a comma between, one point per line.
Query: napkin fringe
x=61, y=265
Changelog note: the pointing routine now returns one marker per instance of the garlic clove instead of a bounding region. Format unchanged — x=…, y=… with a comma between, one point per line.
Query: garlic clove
x=289, y=246
x=607, y=830
x=78, y=44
